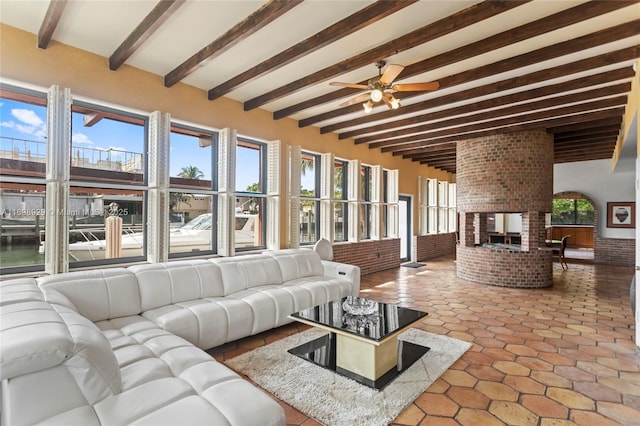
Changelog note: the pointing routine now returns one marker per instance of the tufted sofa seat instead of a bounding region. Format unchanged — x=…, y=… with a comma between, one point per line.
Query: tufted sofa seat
x=121, y=345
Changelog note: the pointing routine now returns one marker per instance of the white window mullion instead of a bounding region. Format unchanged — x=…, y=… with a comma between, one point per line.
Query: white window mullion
x=354, y=196
x=158, y=222
x=432, y=204
x=443, y=207
x=393, y=209
x=453, y=213
x=423, y=205
x=273, y=194
x=57, y=180
x=327, y=191
x=293, y=222
x=227, y=142
x=376, y=231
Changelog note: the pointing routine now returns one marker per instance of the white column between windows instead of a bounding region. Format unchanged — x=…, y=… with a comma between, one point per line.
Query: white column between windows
x=227, y=143
x=393, y=209
x=57, y=180
x=158, y=192
x=327, y=189
x=353, y=196
x=293, y=192
x=376, y=231
x=423, y=205
x=273, y=195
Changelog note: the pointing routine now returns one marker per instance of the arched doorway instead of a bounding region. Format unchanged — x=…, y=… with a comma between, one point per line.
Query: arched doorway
x=576, y=215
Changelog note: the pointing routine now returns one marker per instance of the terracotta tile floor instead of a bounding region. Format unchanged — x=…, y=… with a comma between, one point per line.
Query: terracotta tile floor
x=563, y=355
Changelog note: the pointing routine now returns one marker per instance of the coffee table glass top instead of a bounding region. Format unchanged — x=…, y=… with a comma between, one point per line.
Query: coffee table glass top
x=362, y=317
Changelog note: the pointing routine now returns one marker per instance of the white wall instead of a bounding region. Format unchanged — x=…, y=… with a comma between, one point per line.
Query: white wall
x=596, y=180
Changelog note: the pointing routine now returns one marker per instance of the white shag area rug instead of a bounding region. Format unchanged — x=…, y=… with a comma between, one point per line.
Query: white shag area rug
x=333, y=399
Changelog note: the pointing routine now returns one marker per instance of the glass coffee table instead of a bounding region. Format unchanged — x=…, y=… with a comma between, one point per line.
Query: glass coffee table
x=362, y=343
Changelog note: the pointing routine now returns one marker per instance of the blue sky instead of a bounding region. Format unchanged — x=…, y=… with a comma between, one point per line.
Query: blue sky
x=28, y=122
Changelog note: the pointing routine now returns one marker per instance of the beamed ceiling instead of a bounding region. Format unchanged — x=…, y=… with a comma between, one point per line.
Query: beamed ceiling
x=502, y=66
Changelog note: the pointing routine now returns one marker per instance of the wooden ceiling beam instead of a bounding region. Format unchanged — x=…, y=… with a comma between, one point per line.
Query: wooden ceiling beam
x=455, y=22
x=541, y=124
x=551, y=102
x=613, y=121
x=50, y=22
x=150, y=24
x=583, y=155
x=266, y=14
x=507, y=121
x=587, y=132
x=366, y=16
x=437, y=159
x=591, y=40
x=585, y=143
x=601, y=136
x=548, y=23
x=584, y=158
x=622, y=73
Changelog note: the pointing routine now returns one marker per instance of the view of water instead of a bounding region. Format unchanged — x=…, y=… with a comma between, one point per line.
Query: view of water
x=20, y=255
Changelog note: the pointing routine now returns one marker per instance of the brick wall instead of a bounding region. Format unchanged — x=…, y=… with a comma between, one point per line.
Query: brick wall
x=506, y=173
x=371, y=255
x=615, y=251
x=505, y=268
x=430, y=246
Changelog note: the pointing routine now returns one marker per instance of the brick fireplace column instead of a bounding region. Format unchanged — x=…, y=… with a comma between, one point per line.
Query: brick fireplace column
x=507, y=173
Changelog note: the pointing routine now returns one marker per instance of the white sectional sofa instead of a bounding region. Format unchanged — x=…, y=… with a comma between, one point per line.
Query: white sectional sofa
x=123, y=345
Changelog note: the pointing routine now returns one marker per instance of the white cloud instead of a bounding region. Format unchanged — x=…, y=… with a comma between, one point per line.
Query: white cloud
x=81, y=138
x=28, y=123
x=27, y=116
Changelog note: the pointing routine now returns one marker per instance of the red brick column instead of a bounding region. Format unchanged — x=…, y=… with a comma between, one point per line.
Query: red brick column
x=507, y=173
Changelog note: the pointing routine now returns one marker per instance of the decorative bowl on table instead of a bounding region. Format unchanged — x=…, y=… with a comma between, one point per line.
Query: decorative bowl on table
x=359, y=306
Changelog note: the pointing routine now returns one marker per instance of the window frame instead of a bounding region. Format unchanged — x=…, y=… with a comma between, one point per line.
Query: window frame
x=262, y=194
x=75, y=182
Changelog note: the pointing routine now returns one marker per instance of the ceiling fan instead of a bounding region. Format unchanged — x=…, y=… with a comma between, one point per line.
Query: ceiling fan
x=381, y=88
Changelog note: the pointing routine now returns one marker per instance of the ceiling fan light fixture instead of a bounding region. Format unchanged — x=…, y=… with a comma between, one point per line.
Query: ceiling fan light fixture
x=395, y=102
x=368, y=107
x=376, y=95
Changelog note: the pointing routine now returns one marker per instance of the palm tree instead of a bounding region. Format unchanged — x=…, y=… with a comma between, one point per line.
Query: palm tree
x=187, y=172
x=191, y=172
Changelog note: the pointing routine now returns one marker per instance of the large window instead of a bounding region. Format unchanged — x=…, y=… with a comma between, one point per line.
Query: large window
x=567, y=211
x=250, y=210
x=365, y=202
x=23, y=151
x=192, y=196
x=437, y=201
x=341, y=205
x=106, y=206
x=309, y=198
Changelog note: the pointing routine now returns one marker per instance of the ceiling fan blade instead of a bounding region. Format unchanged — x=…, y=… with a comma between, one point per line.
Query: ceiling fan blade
x=416, y=87
x=360, y=98
x=391, y=73
x=350, y=85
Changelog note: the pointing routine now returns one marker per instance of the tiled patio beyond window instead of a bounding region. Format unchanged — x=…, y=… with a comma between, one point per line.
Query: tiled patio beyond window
x=562, y=355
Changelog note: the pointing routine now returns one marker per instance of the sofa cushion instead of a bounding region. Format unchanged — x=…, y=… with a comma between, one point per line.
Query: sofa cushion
x=297, y=263
x=34, y=337
x=19, y=290
x=165, y=380
x=240, y=273
x=91, y=361
x=97, y=294
x=52, y=350
x=163, y=284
